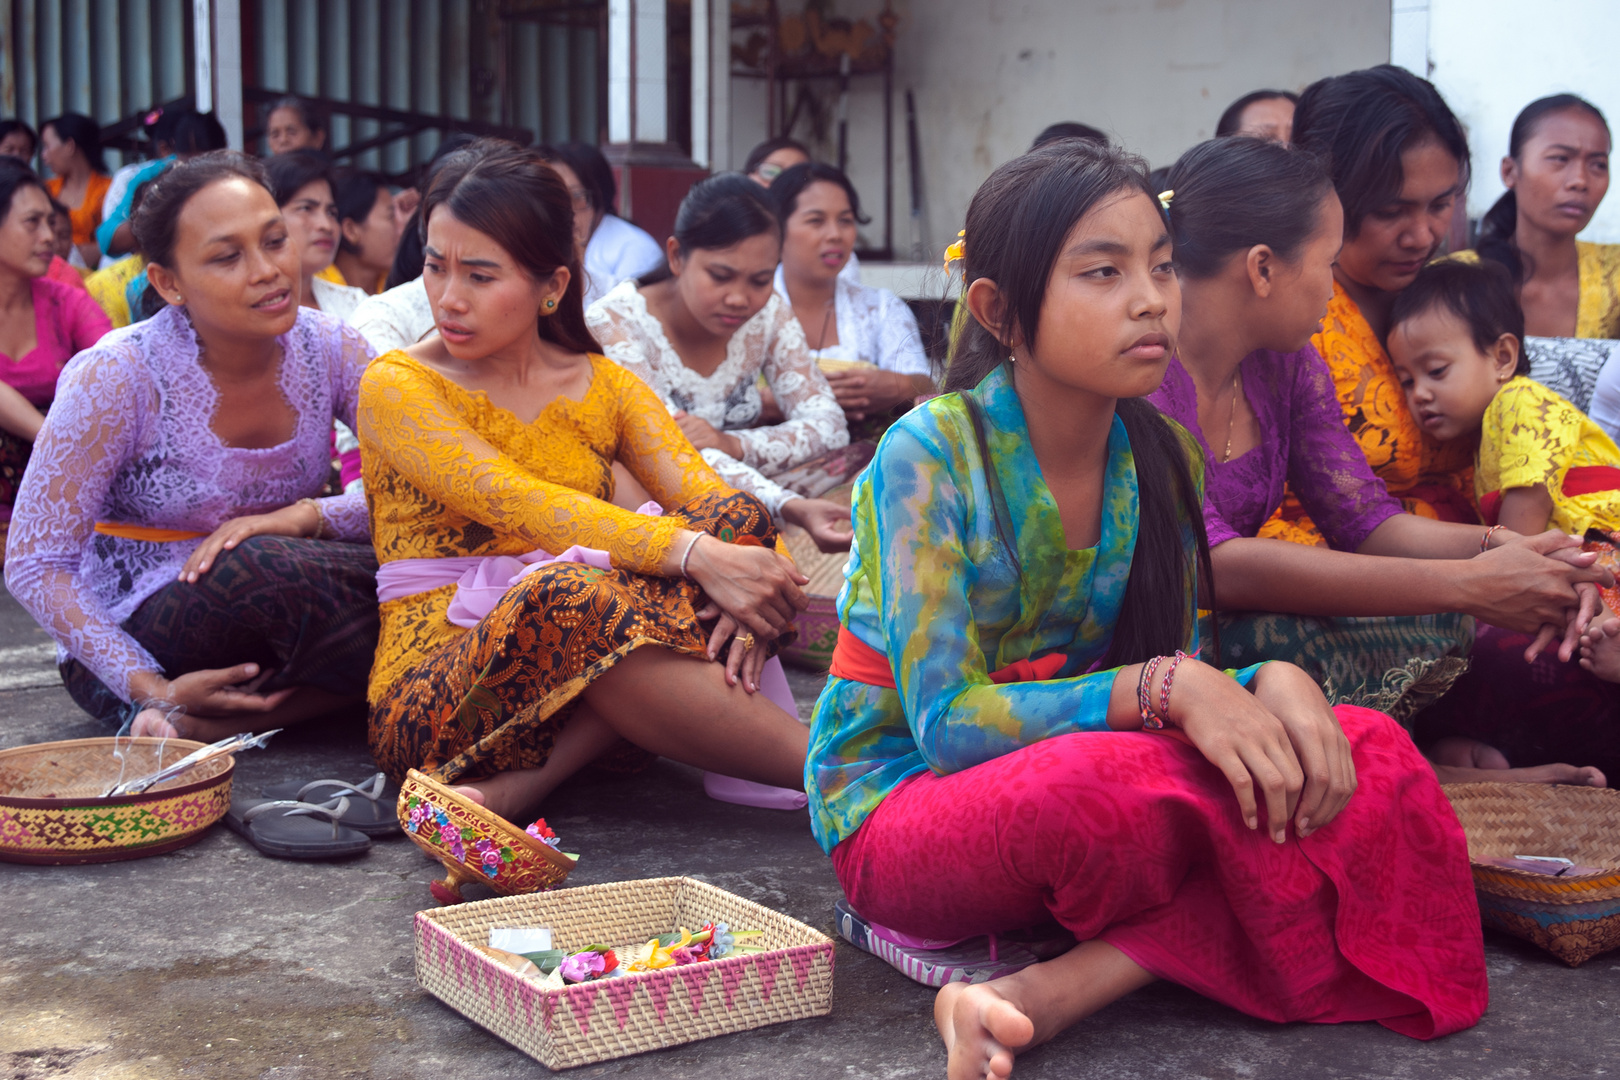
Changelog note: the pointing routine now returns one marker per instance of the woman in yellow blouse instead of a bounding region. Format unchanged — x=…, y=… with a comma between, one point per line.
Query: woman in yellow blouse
x=497, y=439
x=1556, y=172
x=1397, y=156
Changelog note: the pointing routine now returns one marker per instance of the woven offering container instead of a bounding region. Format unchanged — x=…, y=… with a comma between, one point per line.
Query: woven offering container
x=818, y=623
x=475, y=845
x=631, y=1014
x=1574, y=917
x=52, y=811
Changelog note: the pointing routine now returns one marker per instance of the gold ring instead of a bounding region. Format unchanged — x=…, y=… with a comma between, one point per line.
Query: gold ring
x=746, y=641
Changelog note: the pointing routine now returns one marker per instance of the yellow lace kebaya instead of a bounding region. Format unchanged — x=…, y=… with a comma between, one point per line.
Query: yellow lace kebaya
x=1532, y=436
x=930, y=585
x=448, y=473
x=1598, y=314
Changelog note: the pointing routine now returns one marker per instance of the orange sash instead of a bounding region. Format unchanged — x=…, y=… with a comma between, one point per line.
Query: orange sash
x=1581, y=480
x=146, y=532
x=855, y=660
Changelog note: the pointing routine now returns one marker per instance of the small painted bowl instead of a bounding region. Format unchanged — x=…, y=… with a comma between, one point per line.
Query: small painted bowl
x=52, y=811
x=475, y=845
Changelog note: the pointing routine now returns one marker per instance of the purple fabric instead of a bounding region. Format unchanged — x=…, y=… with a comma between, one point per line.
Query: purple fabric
x=1303, y=445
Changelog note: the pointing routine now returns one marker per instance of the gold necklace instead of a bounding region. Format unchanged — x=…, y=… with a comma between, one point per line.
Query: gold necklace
x=1231, y=420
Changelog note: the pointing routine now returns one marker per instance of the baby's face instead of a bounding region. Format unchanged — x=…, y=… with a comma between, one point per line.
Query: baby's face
x=1448, y=382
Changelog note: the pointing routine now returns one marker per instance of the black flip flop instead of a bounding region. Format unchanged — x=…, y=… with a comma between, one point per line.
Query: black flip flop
x=287, y=829
x=373, y=806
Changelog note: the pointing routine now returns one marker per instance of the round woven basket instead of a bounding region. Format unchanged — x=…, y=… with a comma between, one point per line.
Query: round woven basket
x=475, y=845
x=1575, y=916
x=52, y=810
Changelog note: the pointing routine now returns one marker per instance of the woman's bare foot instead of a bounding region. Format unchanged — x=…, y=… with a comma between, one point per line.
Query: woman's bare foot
x=985, y=1025
x=1578, y=775
x=982, y=1030
x=1467, y=753
x=1600, y=647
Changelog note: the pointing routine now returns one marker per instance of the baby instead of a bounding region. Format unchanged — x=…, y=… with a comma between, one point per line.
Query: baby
x=1457, y=340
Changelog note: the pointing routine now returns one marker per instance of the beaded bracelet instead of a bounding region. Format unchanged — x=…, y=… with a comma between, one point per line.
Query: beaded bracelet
x=1144, y=695
x=1485, y=541
x=320, y=518
x=687, y=554
x=1164, y=688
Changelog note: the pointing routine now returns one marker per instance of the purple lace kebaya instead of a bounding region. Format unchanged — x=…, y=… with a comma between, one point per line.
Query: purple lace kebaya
x=130, y=440
x=1303, y=444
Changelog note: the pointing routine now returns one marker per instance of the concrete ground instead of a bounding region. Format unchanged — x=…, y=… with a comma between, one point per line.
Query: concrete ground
x=215, y=961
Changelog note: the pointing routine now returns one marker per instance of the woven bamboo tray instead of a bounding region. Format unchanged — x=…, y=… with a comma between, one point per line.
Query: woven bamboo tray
x=613, y=1018
x=1573, y=917
x=52, y=812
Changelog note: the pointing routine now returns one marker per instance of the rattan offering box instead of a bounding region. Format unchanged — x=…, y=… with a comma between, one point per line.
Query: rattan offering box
x=612, y=1018
x=1572, y=911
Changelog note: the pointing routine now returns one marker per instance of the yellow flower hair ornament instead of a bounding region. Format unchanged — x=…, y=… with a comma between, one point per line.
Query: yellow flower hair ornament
x=1164, y=199
x=956, y=252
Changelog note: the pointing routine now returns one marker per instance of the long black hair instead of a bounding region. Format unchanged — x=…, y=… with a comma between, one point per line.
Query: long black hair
x=355, y=192
x=1359, y=125
x=15, y=174
x=1501, y=221
x=720, y=212
x=1480, y=293
x=84, y=133
x=1234, y=192
x=594, y=173
x=1017, y=225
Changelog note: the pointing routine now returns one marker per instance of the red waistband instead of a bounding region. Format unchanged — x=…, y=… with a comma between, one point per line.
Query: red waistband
x=1581, y=480
x=855, y=660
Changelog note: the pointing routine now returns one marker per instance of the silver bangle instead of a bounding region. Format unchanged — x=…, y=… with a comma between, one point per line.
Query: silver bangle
x=687, y=554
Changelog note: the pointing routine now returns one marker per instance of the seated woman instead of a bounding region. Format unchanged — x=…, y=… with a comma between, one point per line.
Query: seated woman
x=865, y=339
x=615, y=250
x=1398, y=158
x=166, y=534
x=368, y=234
x=43, y=322
x=492, y=445
x=1556, y=172
x=1020, y=606
x=70, y=146
x=302, y=184
x=294, y=124
x=702, y=333
x=1255, y=226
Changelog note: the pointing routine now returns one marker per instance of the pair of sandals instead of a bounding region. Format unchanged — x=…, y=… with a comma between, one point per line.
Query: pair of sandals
x=323, y=819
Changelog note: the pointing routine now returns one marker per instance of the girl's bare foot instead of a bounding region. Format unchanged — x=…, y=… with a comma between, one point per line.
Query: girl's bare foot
x=982, y=1030
x=1600, y=648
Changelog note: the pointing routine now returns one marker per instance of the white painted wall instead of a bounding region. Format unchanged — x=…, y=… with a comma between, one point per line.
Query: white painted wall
x=989, y=74
x=1490, y=58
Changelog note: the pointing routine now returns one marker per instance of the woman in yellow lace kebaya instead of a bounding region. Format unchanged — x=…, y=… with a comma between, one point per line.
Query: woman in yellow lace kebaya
x=1398, y=158
x=1556, y=172
x=490, y=446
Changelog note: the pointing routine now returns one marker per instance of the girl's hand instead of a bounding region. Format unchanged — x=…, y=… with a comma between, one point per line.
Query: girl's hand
x=299, y=519
x=825, y=521
x=703, y=435
x=755, y=586
x=1318, y=741
x=1243, y=739
x=1530, y=582
x=219, y=692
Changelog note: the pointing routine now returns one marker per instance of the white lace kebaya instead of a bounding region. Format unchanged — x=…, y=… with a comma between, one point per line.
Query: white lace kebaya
x=129, y=440
x=874, y=326
x=771, y=343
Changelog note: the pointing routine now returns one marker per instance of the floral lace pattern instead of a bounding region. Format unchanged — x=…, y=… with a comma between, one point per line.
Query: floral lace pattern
x=874, y=326
x=772, y=344
x=1598, y=313
x=1303, y=444
x=449, y=474
x=395, y=319
x=130, y=439
x=1531, y=436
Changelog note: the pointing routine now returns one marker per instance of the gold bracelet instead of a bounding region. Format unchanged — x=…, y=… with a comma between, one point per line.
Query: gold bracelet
x=320, y=518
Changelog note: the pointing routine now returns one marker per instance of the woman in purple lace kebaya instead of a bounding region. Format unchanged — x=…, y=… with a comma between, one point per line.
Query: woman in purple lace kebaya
x=1255, y=227
x=166, y=532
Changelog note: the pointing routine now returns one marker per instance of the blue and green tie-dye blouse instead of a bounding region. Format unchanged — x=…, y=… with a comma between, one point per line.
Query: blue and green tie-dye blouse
x=930, y=585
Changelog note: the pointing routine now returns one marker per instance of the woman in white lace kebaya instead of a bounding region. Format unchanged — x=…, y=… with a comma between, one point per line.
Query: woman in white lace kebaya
x=865, y=339
x=703, y=333
x=167, y=533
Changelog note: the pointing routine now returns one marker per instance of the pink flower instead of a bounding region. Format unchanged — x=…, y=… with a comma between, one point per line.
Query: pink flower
x=581, y=966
